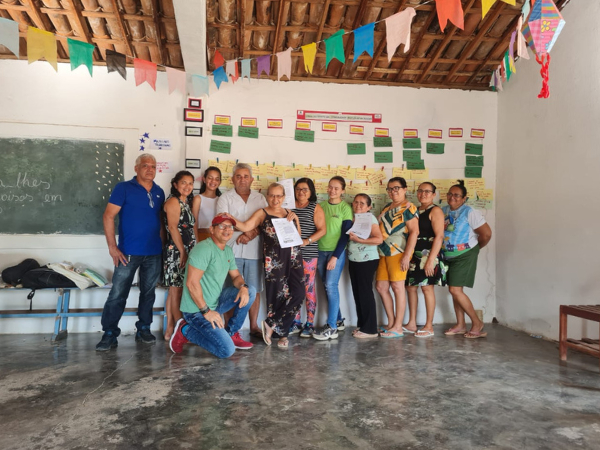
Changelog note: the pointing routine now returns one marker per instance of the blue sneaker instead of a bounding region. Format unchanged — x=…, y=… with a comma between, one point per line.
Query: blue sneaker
x=108, y=341
x=295, y=328
x=327, y=333
x=144, y=335
x=341, y=326
x=307, y=331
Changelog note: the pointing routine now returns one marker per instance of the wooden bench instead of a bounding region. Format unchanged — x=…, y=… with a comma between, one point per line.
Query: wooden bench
x=589, y=346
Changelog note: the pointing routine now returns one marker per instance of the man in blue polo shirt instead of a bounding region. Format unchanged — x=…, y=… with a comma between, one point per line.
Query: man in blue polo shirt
x=138, y=203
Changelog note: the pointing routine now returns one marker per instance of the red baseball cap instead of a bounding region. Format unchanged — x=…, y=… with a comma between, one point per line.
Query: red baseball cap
x=220, y=218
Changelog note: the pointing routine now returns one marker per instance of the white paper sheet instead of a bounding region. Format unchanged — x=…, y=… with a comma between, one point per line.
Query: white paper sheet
x=286, y=233
x=362, y=225
x=288, y=185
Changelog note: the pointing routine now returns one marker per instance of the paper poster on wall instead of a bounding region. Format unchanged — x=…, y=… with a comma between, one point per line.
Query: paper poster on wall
x=477, y=133
x=455, y=132
x=383, y=157
x=411, y=143
x=160, y=144
x=473, y=149
x=164, y=167
x=329, y=126
x=473, y=172
x=357, y=129
x=435, y=148
x=274, y=123
x=420, y=174
x=382, y=132
x=248, y=132
x=220, y=146
x=411, y=155
x=332, y=116
x=249, y=122
x=304, y=136
x=415, y=165
x=381, y=141
x=302, y=125
x=434, y=133
x=377, y=176
x=473, y=160
x=410, y=133
x=356, y=148
x=222, y=130
x=222, y=120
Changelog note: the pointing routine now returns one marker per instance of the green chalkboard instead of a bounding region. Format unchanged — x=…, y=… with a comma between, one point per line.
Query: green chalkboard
x=56, y=185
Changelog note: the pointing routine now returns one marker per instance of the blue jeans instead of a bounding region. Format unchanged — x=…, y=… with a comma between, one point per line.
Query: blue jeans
x=150, y=270
x=331, y=281
x=218, y=340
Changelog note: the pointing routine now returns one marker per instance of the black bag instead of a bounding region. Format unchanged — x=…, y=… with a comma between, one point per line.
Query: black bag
x=46, y=278
x=13, y=275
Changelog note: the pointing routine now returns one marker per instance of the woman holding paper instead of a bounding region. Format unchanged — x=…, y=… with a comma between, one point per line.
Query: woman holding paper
x=284, y=273
x=363, y=260
x=204, y=207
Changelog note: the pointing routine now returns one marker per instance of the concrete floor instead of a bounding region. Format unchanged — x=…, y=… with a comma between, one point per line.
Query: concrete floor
x=508, y=391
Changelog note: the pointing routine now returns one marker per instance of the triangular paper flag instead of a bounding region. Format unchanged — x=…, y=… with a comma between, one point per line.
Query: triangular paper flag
x=363, y=40
x=397, y=31
x=220, y=76
x=41, y=44
x=498, y=80
x=526, y=8
x=511, y=52
x=231, y=69
x=246, y=68
x=144, y=71
x=334, y=48
x=116, y=62
x=176, y=80
x=485, y=7
x=284, y=64
x=493, y=81
x=506, y=63
x=309, y=52
x=450, y=10
x=264, y=65
x=80, y=53
x=521, y=42
x=199, y=85
x=9, y=35
x=218, y=59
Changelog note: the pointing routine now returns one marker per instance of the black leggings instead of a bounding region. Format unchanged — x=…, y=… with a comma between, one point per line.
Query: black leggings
x=361, y=278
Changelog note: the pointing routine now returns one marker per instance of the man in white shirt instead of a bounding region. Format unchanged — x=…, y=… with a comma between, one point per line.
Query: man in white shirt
x=241, y=202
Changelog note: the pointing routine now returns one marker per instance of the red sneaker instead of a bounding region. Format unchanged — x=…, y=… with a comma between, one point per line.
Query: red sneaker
x=240, y=343
x=178, y=339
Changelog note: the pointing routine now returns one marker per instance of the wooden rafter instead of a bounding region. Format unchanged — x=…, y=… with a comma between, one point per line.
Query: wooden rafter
x=36, y=17
x=81, y=26
x=350, y=42
x=156, y=11
x=117, y=15
x=241, y=14
x=323, y=20
x=276, y=42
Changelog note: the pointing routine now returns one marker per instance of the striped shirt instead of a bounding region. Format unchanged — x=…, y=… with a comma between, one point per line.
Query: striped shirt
x=306, y=217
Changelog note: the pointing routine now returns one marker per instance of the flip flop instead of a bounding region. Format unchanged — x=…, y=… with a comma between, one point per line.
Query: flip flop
x=475, y=334
x=361, y=335
x=406, y=330
x=382, y=329
x=392, y=335
x=424, y=333
x=454, y=331
x=266, y=338
x=283, y=343
x=256, y=334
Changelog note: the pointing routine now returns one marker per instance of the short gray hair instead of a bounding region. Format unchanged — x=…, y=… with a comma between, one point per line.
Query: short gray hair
x=138, y=160
x=239, y=166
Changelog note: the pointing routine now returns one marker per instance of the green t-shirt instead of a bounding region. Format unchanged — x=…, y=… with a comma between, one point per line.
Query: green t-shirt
x=216, y=264
x=334, y=216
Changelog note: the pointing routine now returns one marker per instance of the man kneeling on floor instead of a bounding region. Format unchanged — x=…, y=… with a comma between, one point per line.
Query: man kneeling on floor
x=204, y=298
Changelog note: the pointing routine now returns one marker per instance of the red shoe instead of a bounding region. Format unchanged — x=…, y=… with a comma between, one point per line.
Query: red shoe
x=240, y=343
x=178, y=339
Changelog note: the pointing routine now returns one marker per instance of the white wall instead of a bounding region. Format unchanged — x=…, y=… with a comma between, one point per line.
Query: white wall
x=547, y=162
x=35, y=94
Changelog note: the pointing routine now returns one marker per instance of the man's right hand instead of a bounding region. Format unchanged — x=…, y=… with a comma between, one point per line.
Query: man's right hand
x=214, y=318
x=117, y=256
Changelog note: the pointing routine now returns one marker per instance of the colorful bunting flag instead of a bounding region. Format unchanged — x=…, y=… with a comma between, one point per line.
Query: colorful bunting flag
x=526, y=9
x=231, y=69
x=521, y=43
x=264, y=65
x=450, y=10
x=284, y=64
x=246, y=68
x=397, y=31
x=81, y=53
x=220, y=76
x=498, y=79
x=511, y=52
x=506, y=63
x=334, y=48
x=363, y=40
x=487, y=4
x=199, y=85
x=9, y=35
x=144, y=71
x=176, y=79
x=309, y=52
x=218, y=59
x=116, y=62
x=41, y=44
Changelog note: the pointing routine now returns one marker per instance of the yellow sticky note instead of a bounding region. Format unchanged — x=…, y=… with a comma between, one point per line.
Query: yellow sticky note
x=226, y=183
x=321, y=187
x=485, y=194
x=259, y=170
x=222, y=165
x=352, y=189
x=328, y=172
x=422, y=175
x=363, y=174
x=313, y=172
x=295, y=171
x=343, y=171
x=398, y=172
x=376, y=177
x=410, y=186
x=275, y=171
x=230, y=166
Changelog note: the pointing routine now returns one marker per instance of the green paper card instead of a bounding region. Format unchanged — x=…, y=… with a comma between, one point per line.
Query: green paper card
x=357, y=149
x=411, y=143
x=305, y=136
x=220, y=146
x=474, y=161
x=248, y=132
x=473, y=149
x=473, y=172
x=435, y=148
x=384, y=157
x=222, y=130
x=382, y=141
x=411, y=155
x=415, y=165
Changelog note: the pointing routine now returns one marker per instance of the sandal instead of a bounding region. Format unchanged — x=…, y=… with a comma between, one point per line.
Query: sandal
x=423, y=333
x=356, y=330
x=454, y=331
x=406, y=330
x=361, y=335
x=283, y=343
x=475, y=334
x=389, y=334
x=266, y=337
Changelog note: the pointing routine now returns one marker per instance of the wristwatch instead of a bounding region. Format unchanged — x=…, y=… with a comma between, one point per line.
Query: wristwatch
x=244, y=285
x=310, y=240
x=205, y=311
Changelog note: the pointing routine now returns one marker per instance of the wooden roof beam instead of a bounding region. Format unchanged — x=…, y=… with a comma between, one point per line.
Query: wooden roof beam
x=323, y=20
x=81, y=26
x=36, y=17
x=117, y=15
x=241, y=9
x=276, y=43
x=159, y=44
x=350, y=42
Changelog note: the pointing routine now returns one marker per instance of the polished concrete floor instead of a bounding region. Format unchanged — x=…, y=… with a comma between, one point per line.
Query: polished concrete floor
x=508, y=391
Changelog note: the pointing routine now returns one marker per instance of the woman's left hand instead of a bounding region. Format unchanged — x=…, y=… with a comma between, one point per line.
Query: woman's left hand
x=405, y=262
x=331, y=263
x=429, y=269
x=291, y=216
x=354, y=237
x=183, y=260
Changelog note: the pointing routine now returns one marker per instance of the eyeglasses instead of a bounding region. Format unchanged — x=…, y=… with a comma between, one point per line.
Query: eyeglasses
x=424, y=191
x=223, y=226
x=449, y=194
x=394, y=188
x=278, y=197
x=303, y=190
x=150, y=201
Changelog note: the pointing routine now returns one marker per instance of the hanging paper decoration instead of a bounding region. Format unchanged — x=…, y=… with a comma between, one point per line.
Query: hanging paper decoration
x=363, y=40
x=218, y=59
x=526, y=8
x=220, y=77
x=199, y=85
x=487, y=4
x=9, y=35
x=511, y=52
x=541, y=31
x=116, y=62
x=81, y=53
x=264, y=65
x=521, y=43
x=507, y=66
x=246, y=68
x=334, y=48
x=231, y=68
x=309, y=52
x=176, y=80
x=397, y=31
x=41, y=44
x=144, y=71
x=450, y=10
x=498, y=80
x=284, y=64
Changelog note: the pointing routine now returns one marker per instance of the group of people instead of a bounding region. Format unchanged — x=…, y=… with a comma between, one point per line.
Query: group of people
x=221, y=251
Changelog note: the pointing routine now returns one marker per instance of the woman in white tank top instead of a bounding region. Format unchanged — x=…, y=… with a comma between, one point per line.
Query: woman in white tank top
x=204, y=207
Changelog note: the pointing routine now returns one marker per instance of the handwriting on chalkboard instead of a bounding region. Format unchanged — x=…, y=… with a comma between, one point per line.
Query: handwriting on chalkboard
x=26, y=189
